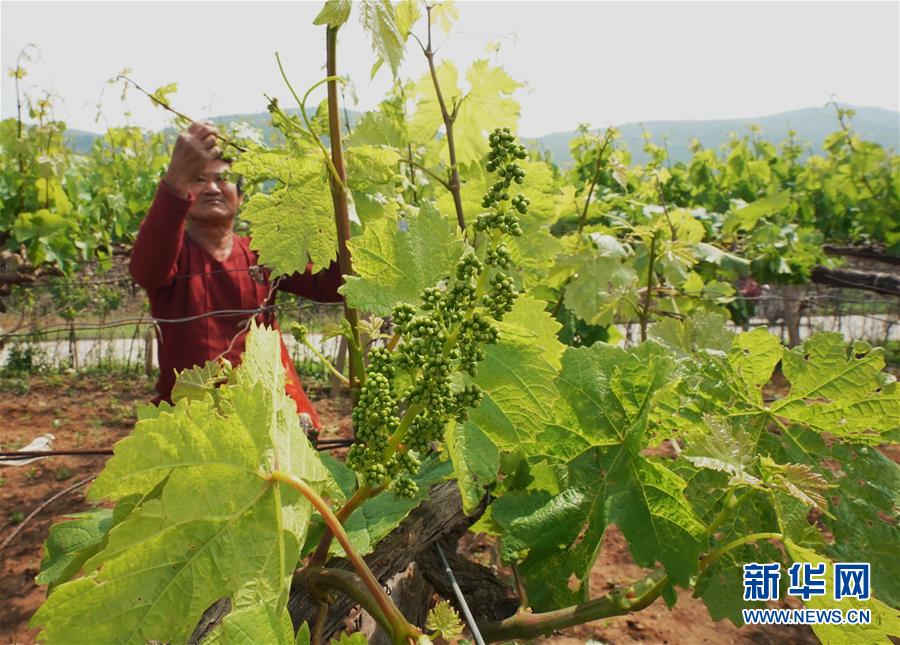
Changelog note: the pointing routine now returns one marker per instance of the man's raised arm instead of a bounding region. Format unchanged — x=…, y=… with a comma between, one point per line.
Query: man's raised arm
x=321, y=286
x=159, y=240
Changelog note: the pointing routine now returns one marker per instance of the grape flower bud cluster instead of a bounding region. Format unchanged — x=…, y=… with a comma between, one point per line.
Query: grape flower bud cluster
x=410, y=394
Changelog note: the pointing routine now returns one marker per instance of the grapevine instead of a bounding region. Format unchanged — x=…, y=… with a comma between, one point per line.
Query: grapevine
x=472, y=379
x=441, y=338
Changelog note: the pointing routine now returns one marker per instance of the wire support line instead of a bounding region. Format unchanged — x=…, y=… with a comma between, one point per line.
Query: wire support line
x=11, y=457
x=125, y=280
x=470, y=620
x=219, y=313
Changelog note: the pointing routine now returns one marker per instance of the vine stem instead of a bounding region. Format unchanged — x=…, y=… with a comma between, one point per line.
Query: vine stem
x=399, y=626
x=636, y=596
x=449, y=118
x=361, y=495
x=168, y=107
x=645, y=314
x=322, y=579
x=341, y=207
x=309, y=129
x=599, y=167
x=722, y=550
x=343, y=379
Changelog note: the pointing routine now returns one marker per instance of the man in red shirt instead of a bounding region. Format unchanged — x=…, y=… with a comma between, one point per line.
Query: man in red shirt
x=193, y=266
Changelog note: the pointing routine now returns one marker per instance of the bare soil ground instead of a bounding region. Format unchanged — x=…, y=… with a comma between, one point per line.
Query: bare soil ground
x=94, y=413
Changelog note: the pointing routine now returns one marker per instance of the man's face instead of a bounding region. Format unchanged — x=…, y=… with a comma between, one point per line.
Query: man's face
x=216, y=197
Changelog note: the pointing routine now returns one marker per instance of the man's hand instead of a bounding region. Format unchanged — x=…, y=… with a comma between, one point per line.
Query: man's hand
x=194, y=148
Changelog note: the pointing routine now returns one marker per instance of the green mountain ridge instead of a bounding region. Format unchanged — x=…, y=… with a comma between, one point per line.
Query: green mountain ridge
x=811, y=125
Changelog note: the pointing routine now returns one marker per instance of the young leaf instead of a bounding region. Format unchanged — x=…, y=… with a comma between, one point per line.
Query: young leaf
x=379, y=19
x=195, y=383
x=724, y=450
x=334, y=14
x=444, y=621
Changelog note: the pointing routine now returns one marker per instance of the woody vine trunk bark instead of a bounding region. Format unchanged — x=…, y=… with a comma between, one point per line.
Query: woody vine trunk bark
x=339, y=197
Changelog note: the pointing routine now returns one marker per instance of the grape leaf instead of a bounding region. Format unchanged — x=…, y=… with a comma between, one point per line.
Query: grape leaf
x=517, y=378
x=884, y=619
x=334, y=14
x=379, y=19
x=71, y=542
x=724, y=450
x=295, y=224
x=865, y=521
x=835, y=386
x=218, y=527
x=379, y=128
x=838, y=387
x=487, y=105
x=609, y=393
x=700, y=330
x=195, y=383
x=396, y=259
x=603, y=283
x=253, y=624
x=745, y=218
x=371, y=172
x=475, y=459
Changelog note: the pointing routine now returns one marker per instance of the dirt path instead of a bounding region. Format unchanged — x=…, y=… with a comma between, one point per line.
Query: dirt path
x=87, y=413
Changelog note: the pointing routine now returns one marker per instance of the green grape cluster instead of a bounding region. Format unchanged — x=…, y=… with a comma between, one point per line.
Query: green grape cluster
x=498, y=256
x=521, y=203
x=375, y=418
x=409, y=394
x=502, y=296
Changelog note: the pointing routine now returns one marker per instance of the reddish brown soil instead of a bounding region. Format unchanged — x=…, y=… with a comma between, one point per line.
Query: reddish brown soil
x=85, y=413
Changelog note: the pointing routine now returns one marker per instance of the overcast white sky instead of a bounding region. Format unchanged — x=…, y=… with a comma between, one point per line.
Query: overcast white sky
x=597, y=62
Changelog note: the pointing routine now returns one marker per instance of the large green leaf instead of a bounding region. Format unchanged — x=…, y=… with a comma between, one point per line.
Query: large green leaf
x=517, y=378
x=603, y=283
x=219, y=526
x=838, y=387
x=395, y=259
x=487, y=105
x=865, y=519
x=885, y=623
x=294, y=224
x=606, y=398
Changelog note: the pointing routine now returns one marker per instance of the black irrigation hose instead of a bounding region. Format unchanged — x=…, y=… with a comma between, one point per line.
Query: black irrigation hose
x=11, y=457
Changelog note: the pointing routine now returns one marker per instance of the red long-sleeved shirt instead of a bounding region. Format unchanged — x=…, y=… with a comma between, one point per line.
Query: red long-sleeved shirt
x=183, y=280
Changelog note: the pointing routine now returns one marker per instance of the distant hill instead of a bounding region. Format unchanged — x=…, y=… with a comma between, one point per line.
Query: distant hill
x=811, y=124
